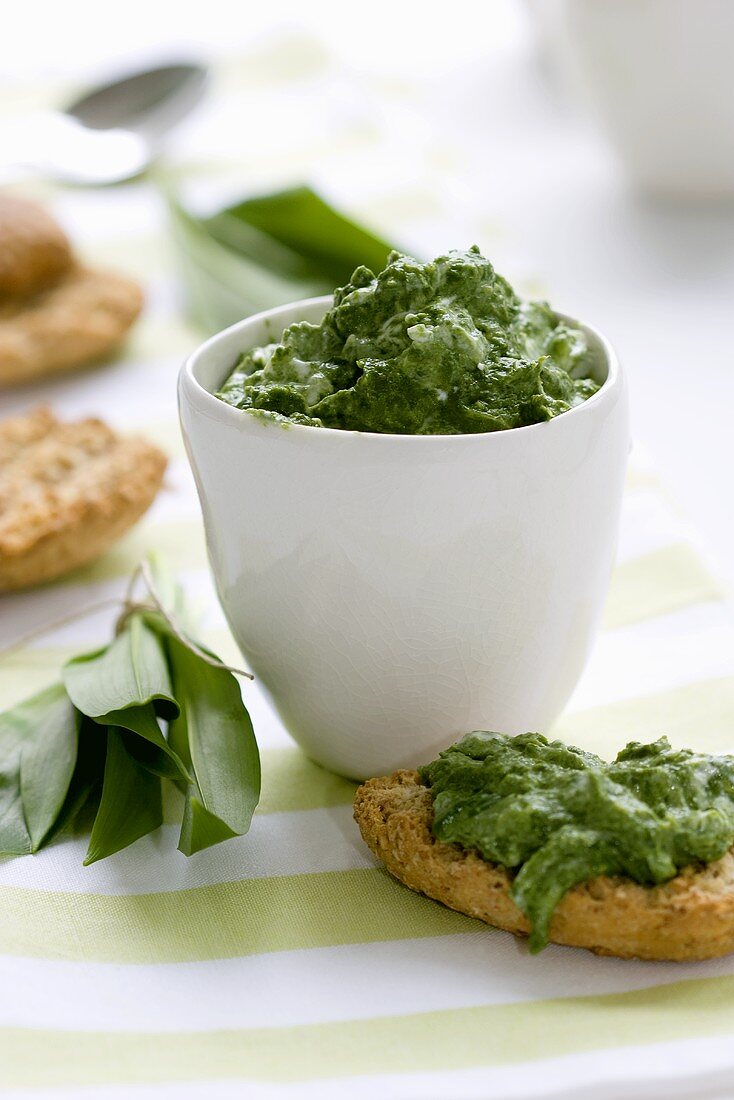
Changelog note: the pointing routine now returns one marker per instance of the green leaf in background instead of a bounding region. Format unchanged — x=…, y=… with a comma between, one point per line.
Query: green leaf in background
x=266, y=251
x=131, y=803
x=303, y=222
x=130, y=672
x=213, y=735
x=38, y=751
x=236, y=234
x=222, y=285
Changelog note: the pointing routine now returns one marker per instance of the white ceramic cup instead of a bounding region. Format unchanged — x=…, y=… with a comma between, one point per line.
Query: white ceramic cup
x=659, y=76
x=393, y=592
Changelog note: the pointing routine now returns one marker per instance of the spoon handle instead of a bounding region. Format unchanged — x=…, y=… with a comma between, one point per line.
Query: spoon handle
x=56, y=145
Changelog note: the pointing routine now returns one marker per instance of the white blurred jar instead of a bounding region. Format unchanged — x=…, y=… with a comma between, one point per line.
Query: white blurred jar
x=659, y=75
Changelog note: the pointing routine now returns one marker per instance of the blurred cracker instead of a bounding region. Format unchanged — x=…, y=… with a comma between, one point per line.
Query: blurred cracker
x=67, y=493
x=77, y=322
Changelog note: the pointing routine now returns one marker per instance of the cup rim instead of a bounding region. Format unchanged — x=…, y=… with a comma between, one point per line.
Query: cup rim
x=206, y=402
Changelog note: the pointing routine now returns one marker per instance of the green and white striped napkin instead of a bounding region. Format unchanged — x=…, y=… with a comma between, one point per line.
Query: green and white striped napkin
x=286, y=963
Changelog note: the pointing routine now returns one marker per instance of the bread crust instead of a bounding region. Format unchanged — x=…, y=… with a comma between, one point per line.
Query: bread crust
x=689, y=918
x=34, y=250
x=67, y=493
x=79, y=320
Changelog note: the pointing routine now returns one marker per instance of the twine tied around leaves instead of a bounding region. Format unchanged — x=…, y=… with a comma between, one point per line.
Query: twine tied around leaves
x=129, y=605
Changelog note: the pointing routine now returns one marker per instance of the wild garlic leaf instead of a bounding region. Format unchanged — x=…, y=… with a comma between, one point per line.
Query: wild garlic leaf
x=142, y=721
x=82, y=798
x=200, y=828
x=38, y=752
x=159, y=762
x=131, y=803
x=266, y=251
x=130, y=672
x=213, y=735
x=14, y=837
x=300, y=220
x=223, y=284
x=47, y=760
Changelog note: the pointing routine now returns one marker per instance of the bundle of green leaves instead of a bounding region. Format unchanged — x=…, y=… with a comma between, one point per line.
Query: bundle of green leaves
x=151, y=707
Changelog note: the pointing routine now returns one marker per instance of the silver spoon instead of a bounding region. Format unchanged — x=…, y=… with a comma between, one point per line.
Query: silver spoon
x=110, y=134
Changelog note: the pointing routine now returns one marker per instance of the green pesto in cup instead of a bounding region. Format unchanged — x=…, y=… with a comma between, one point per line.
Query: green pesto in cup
x=439, y=348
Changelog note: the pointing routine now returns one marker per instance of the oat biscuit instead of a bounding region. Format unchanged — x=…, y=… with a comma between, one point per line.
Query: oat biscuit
x=34, y=250
x=67, y=493
x=691, y=917
x=76, y=322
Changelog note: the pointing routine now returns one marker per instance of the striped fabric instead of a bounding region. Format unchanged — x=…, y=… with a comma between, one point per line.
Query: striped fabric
x=286, y=963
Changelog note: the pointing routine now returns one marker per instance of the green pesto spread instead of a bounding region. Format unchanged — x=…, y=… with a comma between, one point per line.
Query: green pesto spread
x=557, y=816
x=440, y=348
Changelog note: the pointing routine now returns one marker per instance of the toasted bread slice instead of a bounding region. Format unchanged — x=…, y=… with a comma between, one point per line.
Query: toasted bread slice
x=79, y=320
x=690, y=917
x=67, y=493
x=34, y=250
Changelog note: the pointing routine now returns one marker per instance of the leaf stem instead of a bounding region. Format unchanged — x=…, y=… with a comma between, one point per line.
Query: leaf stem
x=57, y=624
x=144, y=572
x=129, y=606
